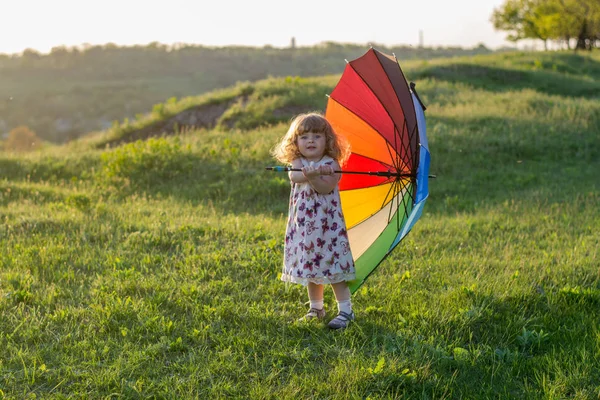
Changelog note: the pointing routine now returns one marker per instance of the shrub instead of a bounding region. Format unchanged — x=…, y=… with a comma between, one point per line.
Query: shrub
x=22, y=138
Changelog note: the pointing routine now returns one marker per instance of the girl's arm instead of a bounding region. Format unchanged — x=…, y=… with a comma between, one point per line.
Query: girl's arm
x=322, y=179
x=297, y=176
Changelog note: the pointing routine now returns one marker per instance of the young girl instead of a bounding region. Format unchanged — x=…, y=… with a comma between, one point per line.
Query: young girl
x=316, y=251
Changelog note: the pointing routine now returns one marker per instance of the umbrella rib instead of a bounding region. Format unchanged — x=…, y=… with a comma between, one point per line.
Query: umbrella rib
x=411, y=136
x=393, y=154
x=406, y=146
x=392, y=208
x=407, y=200
x=398, y=219
x=417, y=157
x=396, y=147
x=385, y=199
x=396, y=182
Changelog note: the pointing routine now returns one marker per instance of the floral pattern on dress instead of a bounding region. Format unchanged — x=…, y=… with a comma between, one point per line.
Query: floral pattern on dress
x=316, y=241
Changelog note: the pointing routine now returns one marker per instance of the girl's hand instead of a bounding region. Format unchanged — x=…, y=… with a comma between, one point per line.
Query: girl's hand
x=326, y=169
x=327, y=178
x=311, y=171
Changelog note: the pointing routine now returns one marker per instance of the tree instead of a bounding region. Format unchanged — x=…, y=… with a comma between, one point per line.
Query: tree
x=30, y=57
x=523, y=19
x=558, y=20
x=22, y=138
x=586, y=17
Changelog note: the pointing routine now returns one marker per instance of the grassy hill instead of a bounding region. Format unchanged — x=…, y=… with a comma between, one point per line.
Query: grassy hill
x=149, y=268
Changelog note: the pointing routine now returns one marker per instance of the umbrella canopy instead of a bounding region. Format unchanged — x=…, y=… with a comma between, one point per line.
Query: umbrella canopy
x=374, y=108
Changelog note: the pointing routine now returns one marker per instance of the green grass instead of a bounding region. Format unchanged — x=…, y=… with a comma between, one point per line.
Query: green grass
x=151, y=270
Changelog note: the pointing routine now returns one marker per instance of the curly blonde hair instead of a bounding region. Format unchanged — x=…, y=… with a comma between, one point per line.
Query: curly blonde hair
x=287, y=150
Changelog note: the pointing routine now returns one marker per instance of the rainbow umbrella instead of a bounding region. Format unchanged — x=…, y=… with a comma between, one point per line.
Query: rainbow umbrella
x=385, y=185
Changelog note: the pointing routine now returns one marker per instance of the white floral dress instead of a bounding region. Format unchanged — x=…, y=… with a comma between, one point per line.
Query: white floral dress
x=316, y=242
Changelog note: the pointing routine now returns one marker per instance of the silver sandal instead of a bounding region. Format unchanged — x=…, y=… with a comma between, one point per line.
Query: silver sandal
x=341, y=321
x=314, y=313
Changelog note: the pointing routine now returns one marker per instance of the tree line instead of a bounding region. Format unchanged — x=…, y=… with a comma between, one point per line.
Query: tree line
x=561, y=21
x=111, y=61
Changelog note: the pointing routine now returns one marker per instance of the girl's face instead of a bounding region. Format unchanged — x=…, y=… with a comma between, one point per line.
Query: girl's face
x=312, y=145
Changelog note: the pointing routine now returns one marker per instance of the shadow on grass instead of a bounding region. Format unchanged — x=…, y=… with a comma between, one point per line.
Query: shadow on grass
x=499, y=79
x=52, y=169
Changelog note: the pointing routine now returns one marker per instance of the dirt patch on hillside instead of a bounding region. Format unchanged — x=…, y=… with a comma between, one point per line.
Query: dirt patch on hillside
x=193, y=118
x=206, y=116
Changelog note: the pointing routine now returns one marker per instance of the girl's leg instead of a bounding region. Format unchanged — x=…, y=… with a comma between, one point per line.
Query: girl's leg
x=315, y=295
x=342, y=296
x=345, y=314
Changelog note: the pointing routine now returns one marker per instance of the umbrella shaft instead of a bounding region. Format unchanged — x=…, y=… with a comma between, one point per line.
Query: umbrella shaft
x=376, y=173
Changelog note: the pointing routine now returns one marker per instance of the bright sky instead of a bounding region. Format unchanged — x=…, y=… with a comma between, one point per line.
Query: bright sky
x=43, y=24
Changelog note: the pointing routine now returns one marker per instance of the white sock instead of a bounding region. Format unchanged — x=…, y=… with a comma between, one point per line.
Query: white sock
x=345, y=306
x=316, y=304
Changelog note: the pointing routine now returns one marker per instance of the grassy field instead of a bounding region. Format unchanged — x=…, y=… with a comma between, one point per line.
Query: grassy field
x=151, y=270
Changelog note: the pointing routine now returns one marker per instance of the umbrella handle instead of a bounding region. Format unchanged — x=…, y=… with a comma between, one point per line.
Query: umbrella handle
x=376, y=173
